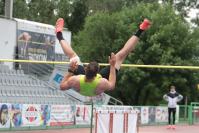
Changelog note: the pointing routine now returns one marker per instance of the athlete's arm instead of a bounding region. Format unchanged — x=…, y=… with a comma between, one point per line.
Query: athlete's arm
x=109, y=84
x=64, y=83
x=112, y=74
x=69, y=80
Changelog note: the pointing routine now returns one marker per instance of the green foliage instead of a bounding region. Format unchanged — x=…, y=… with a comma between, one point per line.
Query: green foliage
x=35, y=10
x=74, y=13
x=105, y=5
x=20, y=9
x=63, y=10
x=2, y=7
x=42, y=11
x=183, y=7
x=78, y=15
x=169, y=41
x=113, y=5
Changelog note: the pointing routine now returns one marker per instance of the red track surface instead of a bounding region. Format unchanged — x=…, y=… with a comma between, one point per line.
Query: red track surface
x=146, y=129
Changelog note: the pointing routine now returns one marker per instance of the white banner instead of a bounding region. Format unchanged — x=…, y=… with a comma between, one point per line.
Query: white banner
x=61, y=115
x=4, y=115
x=113, y=108
x=83, y=114
x=133, y=122
x=31, y=115
x=102, y=122
x=116, y=122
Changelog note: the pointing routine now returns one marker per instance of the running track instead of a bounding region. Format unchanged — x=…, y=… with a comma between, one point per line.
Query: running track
x=145, y=129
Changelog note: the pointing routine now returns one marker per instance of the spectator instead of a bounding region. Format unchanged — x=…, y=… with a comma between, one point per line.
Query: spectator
x=172, y=98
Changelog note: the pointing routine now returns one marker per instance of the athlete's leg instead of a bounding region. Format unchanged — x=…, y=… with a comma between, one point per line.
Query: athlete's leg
x=131, y=43
x=128, y=47
x=65, y=45
x=67, y=48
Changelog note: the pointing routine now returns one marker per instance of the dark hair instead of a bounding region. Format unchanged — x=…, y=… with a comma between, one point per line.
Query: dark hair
x=91, y=70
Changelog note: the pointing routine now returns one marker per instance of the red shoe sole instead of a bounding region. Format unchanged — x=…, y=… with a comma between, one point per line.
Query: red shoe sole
x=145, y=24
x=59, y=25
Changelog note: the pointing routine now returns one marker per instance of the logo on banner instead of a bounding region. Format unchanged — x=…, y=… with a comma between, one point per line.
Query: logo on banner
x=31, y=114
x=58, y=78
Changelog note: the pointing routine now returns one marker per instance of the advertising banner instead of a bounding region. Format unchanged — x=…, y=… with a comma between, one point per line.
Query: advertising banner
x=4, y=115
x=16, y=115
x=152, y=111
x=61, y=115
x=144, y=115
x=112, y=108
x=45, y=115
x=161, y=114
x=36, y=46
x=35, y=41
x=31, y=115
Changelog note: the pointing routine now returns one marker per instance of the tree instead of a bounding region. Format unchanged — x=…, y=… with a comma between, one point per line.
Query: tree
x=183, y=7
x=20, y=9
x=2, y=2
x=74, y=13
x=112, y=5
x=64, y=10
x=78, y=15
x=105, y=5
x=40, y=13
x=168, y=42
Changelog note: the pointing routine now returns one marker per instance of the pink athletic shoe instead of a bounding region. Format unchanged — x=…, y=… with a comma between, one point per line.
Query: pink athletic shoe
x=174, y=127
x=59, y=25
x=169, y=126
x=145, y=24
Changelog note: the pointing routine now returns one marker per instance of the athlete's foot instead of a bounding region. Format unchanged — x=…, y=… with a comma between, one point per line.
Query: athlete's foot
x=59, y=25
x=145, y=24
x=169, y=127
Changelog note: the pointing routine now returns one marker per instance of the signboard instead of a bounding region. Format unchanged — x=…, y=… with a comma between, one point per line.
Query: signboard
x=45, y=115
x=4, y=115
x=61, y=115
x=144, y=115
x=161, y=114
x=16, y=115
x=31, y=115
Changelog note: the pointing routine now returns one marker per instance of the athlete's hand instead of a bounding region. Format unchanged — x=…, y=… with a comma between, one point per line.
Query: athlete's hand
x=73, y=66
x=112, y=59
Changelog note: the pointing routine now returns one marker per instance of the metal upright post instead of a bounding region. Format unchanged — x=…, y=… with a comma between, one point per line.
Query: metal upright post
x=9, y=9
x=91, y=129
